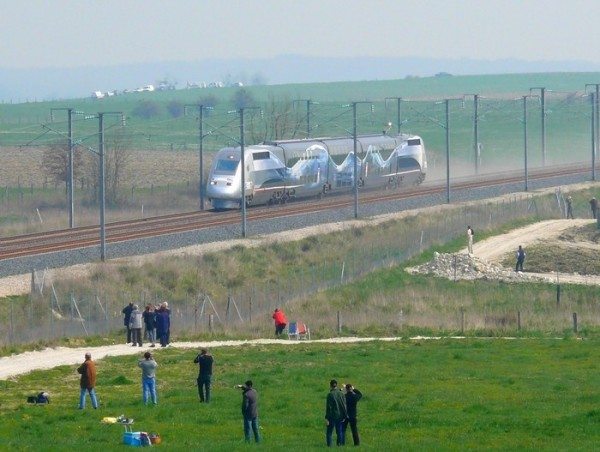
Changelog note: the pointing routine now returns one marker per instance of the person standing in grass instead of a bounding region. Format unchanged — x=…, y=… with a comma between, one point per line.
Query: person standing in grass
x=250, y=410
x=280, y=321
x=470, y=239
x=353, y=395
x=335, y=414
x=135, y=325
x=127, y=317
x=569, y=202
x=87, y=381
x=148, y=366
x=205, y=362
x=520, y=259
x=594, y=207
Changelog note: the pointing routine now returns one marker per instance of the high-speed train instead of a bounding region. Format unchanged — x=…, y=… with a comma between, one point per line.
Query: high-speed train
x=280, y=171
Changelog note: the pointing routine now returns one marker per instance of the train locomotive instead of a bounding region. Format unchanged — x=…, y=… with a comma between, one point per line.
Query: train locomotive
x=280, y=171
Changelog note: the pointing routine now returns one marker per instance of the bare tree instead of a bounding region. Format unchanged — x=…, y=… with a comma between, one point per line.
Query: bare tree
x=277, y=121
x=55, y=163
x=117, y=157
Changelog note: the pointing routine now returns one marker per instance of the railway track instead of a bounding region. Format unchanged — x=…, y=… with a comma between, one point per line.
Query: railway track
x=81, y=237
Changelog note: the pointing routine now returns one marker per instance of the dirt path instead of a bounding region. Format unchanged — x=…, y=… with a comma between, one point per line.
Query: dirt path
x=11, y=366
x=495, y=248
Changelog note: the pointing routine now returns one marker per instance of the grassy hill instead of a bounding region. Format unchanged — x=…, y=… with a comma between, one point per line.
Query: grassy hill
x=500, y=114
x=418, y=395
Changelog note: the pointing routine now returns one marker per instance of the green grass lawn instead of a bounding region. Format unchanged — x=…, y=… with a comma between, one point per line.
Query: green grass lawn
x=418, y=395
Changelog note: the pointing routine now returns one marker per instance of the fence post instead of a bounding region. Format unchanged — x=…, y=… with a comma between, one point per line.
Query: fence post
x=557, y=295
x=339, y=322
x=210, y=323
x=575, y=322
x=250, y=310
x=462, y=321
x=12, y=328
x=519, y=320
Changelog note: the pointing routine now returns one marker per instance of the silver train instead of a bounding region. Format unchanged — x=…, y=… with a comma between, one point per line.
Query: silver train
x=280, y=171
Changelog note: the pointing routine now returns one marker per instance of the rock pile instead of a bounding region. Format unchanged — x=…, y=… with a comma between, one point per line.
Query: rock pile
x=469, y=267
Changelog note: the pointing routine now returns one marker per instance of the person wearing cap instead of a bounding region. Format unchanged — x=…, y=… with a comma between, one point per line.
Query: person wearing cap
x=205, y=362
x=87, y=381
x=148, y=366
x=250, y=411
x=335, y=414
x=135, y=325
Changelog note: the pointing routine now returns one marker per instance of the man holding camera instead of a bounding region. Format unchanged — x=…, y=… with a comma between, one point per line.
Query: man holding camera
x=353, y=395
x=335, y=414
x=205, y=362
x=250, y=410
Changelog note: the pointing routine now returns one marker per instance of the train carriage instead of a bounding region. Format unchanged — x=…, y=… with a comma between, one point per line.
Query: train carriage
x=279, y=171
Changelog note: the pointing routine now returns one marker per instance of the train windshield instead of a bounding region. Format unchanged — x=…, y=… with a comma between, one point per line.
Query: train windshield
x=226, y=166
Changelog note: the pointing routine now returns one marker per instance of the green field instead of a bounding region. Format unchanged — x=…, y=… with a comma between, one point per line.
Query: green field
x=418, y=395
x=500, y=115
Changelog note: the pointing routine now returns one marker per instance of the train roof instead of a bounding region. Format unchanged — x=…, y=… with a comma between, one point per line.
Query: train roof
x=289, y=149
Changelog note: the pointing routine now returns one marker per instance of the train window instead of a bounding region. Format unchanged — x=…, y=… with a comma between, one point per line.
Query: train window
x=261, y=155
x=414, y=142
x=226, y=166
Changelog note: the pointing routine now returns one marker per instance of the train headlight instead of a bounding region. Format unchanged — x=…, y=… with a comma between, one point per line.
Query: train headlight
x=213, y=182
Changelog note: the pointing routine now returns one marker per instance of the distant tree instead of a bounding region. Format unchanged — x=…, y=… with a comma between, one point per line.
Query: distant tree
x=117, y=157
x=55, y=162
x=276, y=121
x=146, y=109
x=242, y=99
x=259, y=79
x=208, y=101
x=175, y=108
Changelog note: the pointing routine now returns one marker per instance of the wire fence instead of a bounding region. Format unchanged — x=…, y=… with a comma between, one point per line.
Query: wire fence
x=47, y=315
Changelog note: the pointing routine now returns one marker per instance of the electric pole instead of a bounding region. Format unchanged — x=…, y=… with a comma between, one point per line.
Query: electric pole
x=543, y=107
x=398, y=117
x=70, y=184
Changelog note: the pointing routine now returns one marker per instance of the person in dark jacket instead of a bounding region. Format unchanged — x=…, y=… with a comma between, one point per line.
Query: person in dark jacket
x=205, y=362
x=127, y=318
x=335, y=414
x=594, y=207
x=520, y=259
x=250, y=411
x=353, y=395
x=163, y=324
x=149, y=316
x=87, y=381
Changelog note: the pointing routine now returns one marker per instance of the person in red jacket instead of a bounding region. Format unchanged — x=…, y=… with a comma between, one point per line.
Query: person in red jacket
x=280, y=321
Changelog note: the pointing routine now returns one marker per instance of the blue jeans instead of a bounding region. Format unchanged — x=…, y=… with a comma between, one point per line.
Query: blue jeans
x=248, y=424
x=151, y=334
x=204, y=388
x=149, y=386
x=339, y=432
x=92, y=398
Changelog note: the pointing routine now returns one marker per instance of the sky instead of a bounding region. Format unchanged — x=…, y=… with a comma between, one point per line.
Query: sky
x=73, y=33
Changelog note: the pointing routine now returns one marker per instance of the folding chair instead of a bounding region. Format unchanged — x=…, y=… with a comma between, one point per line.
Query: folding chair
x=293, y=331
x=303, y=331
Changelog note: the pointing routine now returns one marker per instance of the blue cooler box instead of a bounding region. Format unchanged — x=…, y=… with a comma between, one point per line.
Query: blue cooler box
x=132, y=438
